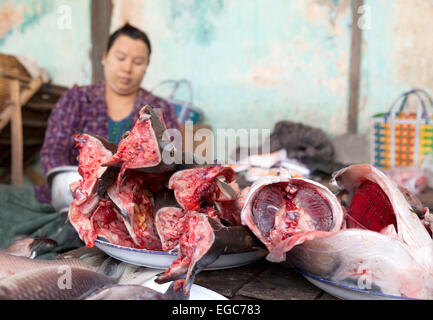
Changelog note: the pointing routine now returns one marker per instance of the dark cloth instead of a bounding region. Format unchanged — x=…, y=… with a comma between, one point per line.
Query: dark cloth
x=83, y=109
x=301, y=142
x=22, y=214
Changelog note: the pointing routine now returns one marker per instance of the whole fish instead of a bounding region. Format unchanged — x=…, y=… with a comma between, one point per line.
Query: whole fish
x=284, y=212
x=58, y=282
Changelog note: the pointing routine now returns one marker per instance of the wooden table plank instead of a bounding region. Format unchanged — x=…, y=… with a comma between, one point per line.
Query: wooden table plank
x=326, y=296
x=280, y=283
x=228, y=281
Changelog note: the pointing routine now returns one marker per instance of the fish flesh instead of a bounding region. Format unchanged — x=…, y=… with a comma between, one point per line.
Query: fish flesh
x=196, y=187
x=136, y=209
x=107, y=223
x=94, y=151
x=169, y=227
x=143, y=146
x=386, y=206
x=284, y=212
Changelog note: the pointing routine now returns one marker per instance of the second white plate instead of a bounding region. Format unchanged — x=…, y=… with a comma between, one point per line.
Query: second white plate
x=345, y=292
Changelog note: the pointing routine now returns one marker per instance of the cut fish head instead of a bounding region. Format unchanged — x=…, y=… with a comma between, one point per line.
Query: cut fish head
x=374, y=201
x=284, y=212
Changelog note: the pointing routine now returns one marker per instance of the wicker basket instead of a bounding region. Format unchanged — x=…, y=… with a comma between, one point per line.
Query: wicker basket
x=10, y=65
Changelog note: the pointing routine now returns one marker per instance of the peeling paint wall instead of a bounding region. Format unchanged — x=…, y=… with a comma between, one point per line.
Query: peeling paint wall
x=56, y=33
x=251, y=62
x=397, y=54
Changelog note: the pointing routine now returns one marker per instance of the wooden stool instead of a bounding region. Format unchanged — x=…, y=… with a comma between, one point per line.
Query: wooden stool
x=21, y=90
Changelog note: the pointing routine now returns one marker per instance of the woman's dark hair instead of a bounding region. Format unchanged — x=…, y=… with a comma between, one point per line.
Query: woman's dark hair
x=131, y=32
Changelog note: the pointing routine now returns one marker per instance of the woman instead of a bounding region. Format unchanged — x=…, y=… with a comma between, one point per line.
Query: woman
x=105, y=109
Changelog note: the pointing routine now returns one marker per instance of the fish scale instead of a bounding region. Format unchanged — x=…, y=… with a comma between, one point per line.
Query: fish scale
x=10, y=265
x=46, y=283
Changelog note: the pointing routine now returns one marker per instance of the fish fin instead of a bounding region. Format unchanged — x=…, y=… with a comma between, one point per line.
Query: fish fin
x=41, y=240
x=112, y=268
x=137, y=275
x=226, y=188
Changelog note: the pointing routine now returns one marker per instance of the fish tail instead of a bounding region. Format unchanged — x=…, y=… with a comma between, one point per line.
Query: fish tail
x=43, y=240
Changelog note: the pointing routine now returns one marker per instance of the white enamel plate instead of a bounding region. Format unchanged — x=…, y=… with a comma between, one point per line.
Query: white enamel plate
x=163, y=260
x=196, y=293
x=347, y=293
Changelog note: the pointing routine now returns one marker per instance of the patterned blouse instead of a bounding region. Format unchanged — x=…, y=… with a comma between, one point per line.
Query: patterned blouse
x=83, y=109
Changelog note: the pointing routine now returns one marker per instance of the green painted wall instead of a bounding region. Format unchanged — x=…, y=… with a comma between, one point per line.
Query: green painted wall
x=251, y=62
x=54, y=32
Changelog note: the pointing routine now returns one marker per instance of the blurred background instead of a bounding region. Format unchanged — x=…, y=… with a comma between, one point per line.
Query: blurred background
x=329, y=64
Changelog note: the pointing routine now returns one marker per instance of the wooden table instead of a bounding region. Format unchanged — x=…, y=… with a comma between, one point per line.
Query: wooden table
x=262, y=280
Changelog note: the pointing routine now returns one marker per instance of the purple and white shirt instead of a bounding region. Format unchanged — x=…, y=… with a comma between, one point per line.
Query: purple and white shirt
x=83, y=109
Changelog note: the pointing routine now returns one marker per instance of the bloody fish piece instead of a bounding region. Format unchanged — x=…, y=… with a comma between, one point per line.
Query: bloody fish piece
x=93, y=151
x=126, y=292
x=142, y=146
x=107, y=223
x=102, y=221
x=168, y=226
x=80, y=220
x=196, y=187
x=202, y=241
x=137, y=212
x=284, y=212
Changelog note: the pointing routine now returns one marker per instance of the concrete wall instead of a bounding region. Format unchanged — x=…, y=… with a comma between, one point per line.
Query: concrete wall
x=56, y=33
x=397, y=54
x=251, y=63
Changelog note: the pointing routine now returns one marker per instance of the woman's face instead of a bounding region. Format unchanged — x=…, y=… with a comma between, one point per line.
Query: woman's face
x=125, y=64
